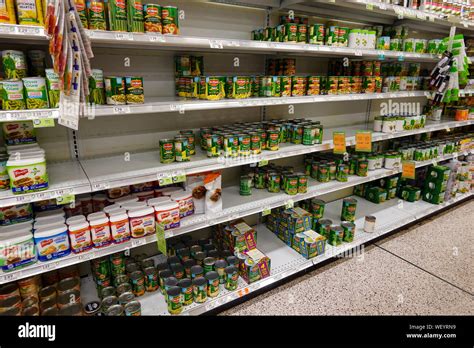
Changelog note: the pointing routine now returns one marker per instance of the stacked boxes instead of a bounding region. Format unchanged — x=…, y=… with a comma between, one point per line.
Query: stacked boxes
x=241, y=239
x=293, y=226
x=379, y=191
x=435, y=184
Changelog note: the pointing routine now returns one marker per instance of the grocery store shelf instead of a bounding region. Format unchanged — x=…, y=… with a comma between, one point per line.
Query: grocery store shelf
x=286, y=262
x=64, y=178
x=114, y=171
x=96, y=174
x=156, y=105
x=125, y=40
x=372, y=11
x=234, y=206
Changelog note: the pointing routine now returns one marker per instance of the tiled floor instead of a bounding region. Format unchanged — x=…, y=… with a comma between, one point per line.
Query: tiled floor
x=427, y=269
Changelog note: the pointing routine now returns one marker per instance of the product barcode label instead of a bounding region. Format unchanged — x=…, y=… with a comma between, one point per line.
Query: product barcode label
x=123, y=36
x=7, y=29
x=11, y=277
x=28, y=30
x=137, y=242
x=121, y=109
x=216, y=44
x=157, y=38
x=100, y=186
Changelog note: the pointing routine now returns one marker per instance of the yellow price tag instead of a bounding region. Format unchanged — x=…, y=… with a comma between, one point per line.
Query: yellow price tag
x=339, y=141
x=408, y=169
x=363, y=141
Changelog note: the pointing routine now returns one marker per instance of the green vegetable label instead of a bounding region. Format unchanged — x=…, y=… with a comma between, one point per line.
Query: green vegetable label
x=35, y=93
x=66, y=199
x=52, y=86
x=43, y=123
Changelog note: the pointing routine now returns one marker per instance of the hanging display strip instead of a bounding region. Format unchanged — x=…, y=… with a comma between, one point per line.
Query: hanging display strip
x=234, y=206
x=286, y=261
x=28, y=115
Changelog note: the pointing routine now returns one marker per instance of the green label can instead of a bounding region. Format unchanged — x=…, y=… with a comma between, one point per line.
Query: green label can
x=309, y=135
x=332, y=34
x=167, y=154
x=115, y=90
x=324, y=227
x=291, y=32
x=343, y=36
x=342, y=173
x=244, y=144
x=12, y=95
x=259, y=179
x=245, y=185
x=291, y=185
x=135, y=16
x=349, y=231
x=96, y=14
x=349, y=206
x=175, y=300
x=169, y=20
x=362, y=167
x=231, y=279
x=152, y=17
x=316, y=34
x=323, y=173
x=317, y=208
x=285, y=86
x=181, y=149
x=186, y=291
x=302, y=34
x=273, y=183
x=212, y=284
x=200, y=289
x=212, y=145
x=336, y=234
x=255, y=143
x=191, y=140
x=302, y=183
x=273, y=137
x=35, y=93
x=134, y=90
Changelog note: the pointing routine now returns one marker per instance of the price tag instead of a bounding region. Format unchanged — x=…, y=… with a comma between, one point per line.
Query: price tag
x=7, y=29
x=266, y=211
x=243, y=292
x=289, y=204
x=421, y=15
x=43, y=123
x=358, y=52
x=363, y=141
x=401, y=57
x=339, y=141
x=431, y=18
x=381, y=55
x=65, y=199
x=216, y=44
x=160, y=238
x=123, y=36
x=369, y=7
x=448, y=129
x=28, y=30
x=157, y=38
x=138, y=242
x=179, y=176
x=263, y=163
x=100, y=186
x=121, y=109
x=408, y=169
x=164, y=179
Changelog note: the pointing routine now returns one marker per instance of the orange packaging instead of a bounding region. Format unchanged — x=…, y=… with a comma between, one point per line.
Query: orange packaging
x=461, y=114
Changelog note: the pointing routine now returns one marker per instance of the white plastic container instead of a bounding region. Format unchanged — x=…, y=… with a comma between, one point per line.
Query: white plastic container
x=119, y=227
x=100, y=231
x=98, y=215
x=50, y=214
x=167, y=214
x=80, y=236
x=27, y=173
x=142, y=222
x=123, y=200
x=17, y=251
x=41, y=225
x=186, y=203
x=52, y=243
x=168, y=191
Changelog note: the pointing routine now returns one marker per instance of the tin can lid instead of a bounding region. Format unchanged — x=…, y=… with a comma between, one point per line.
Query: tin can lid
x=199, y=281
x=212, y=275
x=185, y=283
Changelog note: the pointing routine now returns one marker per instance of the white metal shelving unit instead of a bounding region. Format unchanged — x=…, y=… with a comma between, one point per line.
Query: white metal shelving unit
x=100, y=172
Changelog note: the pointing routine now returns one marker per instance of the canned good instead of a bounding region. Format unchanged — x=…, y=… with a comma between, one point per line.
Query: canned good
x=178, y=270
x=167, y=152
x=200, y=289
x=70, y=296
x=349, y=231
x=349, y=206
x=108, y=291
x=114, y=311
x=126, y=297
x=212, y=278
x=169, y=20
x=323, y=173
x=47, y=293
x=91, y=308
x=291, y=185
x=138, y=283
x=231, y=279
x=124, y=287
x=316, y=34
x=245, y=185
x=186, y=291
x=71, y=309
x=152, y=18
x=133, y=308
x=100, y=267
x=181, y=149
x=317, y=208
x=336, y=234
x=342, y=173
x=196, y=272
x=273, y=143
x=324, y=227
x=108, y=302
x=302, y=183
x=151, y=279
x=273, y=182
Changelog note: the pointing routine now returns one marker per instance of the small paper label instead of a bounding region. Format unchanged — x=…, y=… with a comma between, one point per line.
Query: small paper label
x=339, y=141
x=266, y=211
x=179, y=176
x=363, y=141
x=66, y=199
x=369, y=7
x=43, y=123
x=164, y=179
x=408, y=169
x=289, y=204
x=263, y=163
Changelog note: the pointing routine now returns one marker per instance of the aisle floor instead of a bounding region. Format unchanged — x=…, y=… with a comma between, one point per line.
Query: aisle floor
x=427, y=269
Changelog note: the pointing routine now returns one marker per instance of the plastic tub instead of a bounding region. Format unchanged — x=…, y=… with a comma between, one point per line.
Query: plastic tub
x=100, y=231
x=119, y=227
x=52, y=243
x=167, y=214
x=186, y=203
x=80, y=236
x=27, y=174
x=142, y=222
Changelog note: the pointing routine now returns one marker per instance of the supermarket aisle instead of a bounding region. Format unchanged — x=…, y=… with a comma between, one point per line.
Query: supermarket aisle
x=425, y=270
